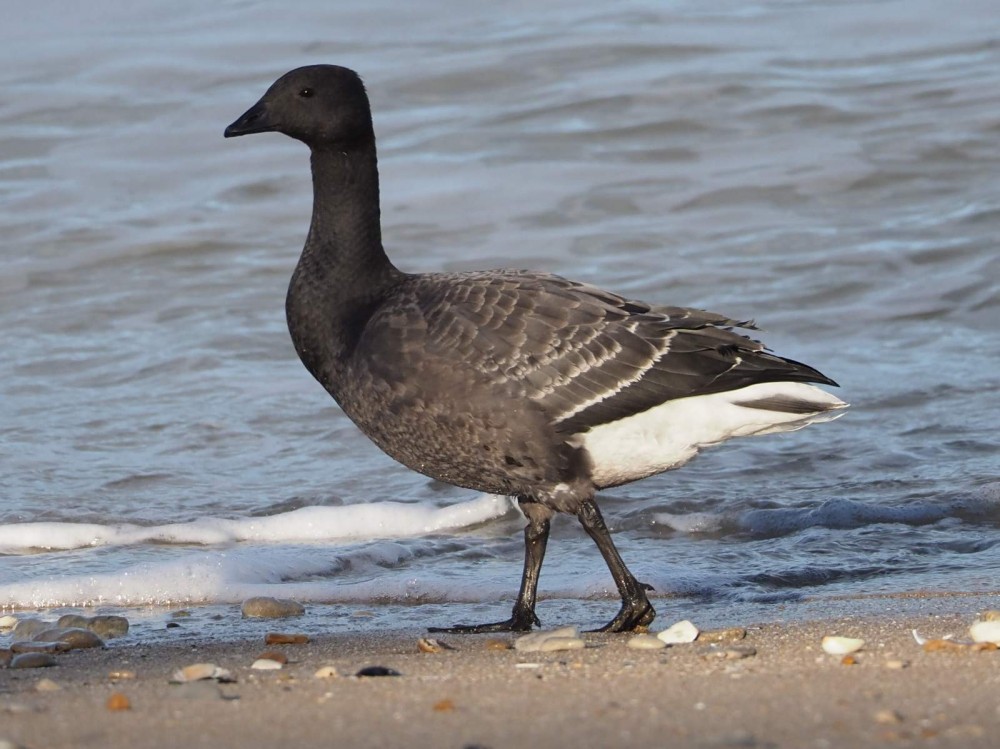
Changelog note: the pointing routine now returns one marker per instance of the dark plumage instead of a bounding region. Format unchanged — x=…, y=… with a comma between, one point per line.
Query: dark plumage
x=505, y=381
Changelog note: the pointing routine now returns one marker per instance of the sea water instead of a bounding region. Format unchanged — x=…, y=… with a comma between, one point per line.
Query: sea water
x=830, y=169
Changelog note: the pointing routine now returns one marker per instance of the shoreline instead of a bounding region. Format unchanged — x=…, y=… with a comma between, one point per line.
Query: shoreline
x=787, y=693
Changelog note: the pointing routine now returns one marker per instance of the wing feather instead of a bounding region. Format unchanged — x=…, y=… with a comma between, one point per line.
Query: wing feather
x=587, y=356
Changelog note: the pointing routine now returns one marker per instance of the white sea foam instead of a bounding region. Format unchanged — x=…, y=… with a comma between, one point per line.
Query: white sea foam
x=350, y=523
x=299, y=554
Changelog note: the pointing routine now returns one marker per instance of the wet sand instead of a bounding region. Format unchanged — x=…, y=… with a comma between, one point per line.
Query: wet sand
x=789, y=694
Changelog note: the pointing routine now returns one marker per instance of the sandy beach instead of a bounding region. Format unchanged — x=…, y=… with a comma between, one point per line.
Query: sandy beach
x=774, y=688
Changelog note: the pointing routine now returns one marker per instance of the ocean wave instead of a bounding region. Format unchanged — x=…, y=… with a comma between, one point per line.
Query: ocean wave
x=345, y=523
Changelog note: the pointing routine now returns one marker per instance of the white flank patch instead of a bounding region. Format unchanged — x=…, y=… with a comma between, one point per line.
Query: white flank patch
x=669, y=435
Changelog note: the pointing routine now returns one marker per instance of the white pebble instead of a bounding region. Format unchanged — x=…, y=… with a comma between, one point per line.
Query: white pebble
x=679, y=633
x=7, y=622
x=265, y=664
x=326, y=672
x=985, y=631
x=835, y=645
x=199, y=671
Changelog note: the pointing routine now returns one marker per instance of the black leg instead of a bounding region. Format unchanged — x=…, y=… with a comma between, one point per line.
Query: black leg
x=536, y=536
x=636, y=610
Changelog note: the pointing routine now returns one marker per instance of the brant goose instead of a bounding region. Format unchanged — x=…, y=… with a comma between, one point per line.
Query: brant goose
x=507, y=381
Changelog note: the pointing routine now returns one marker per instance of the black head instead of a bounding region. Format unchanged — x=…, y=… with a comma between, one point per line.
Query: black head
x=321, y=105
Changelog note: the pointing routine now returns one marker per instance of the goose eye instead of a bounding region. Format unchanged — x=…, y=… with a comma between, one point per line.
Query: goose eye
x=306, y=93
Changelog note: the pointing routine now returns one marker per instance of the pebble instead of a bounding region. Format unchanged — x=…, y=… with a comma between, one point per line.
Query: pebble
x=279, y=638
x=848, y=660
x=326, y=672
x=7, y=622
x=199, y=671
x=26, y=629
x=76, y=638
x=988, y=616
x=986, y=630
x=265, y=607
x=273, y=655
x=896, y=665
x=444, y=706
x=121, y=675
x=835, y=645
x=737, y=652
x=679, y=633
x=266, y=664
x=39, y=647
x=495, y=644
x=430, y=645
x=564, y=638
x=118, y=701
x=888, y=717
x=47, y=685
x=32, y=660
x=645, y=642
x=108, y=626
x=378, y=671
x=722, y=635
x=180, y=614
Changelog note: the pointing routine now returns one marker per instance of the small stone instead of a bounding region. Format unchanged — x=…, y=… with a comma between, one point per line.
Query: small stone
x=564, y=638
x=835, y=645
x=279, y=638
x=888, y=717
x=266, y=664
x=986, y=630
x=645, y=642
x=722, y=635
x=988, y=616
x=72, y=621
x=273, y=655
x=32, y=660
x=444, y=706
x=26, y=629
x=896, y=665
x=47, y=685
x=200, y=671
x=107, y=626
x=118, y=701
x=76, y=638
x=738, y=652
x=7, y=622
x=495, y=644
x=430, y=645
x=326, y=672
x=172, y=625
x=265, y=607
x=39, y=647
x=121, y=675
x=679, y=633
x=378, y=671
x=180, y=614
x=848, y=660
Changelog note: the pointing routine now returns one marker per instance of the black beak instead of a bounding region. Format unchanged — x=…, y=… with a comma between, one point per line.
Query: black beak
x=254, y=120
